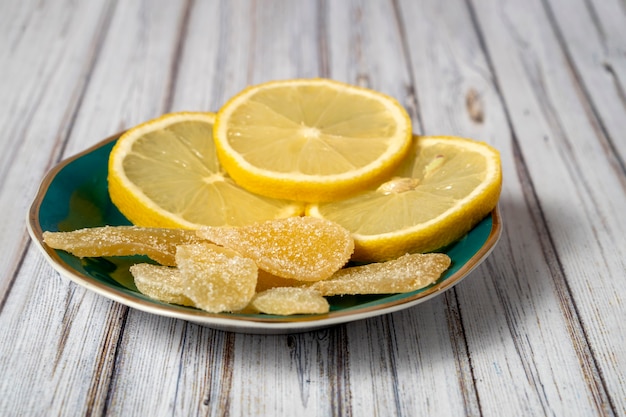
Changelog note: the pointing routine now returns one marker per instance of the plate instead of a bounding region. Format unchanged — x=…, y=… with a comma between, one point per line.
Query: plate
x=74, y=195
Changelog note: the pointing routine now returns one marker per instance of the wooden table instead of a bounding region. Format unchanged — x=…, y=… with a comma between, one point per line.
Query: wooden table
x=538, y=329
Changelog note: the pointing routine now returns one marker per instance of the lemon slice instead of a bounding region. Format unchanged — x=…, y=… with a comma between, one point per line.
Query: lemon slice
x=165, y=173
x=442, y=190
x=311, y=139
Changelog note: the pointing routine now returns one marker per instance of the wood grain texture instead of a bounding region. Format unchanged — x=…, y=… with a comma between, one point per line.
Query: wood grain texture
x=538, y=329
x=514, y=288
x=41, y=94
x=572, y=166
x=592, y=35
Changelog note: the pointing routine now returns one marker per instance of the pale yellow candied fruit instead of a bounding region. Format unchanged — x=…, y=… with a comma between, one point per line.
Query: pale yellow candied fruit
x=216, y=279
x=265, y=281
x=407, y=273
x=162, y=283
x=301, y=248
x=157, y=243
x=289, y=300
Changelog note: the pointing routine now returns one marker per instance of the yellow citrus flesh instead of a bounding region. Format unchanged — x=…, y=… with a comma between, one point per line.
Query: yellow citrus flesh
x=311, y=139
x=442, y=190
x=165, y=173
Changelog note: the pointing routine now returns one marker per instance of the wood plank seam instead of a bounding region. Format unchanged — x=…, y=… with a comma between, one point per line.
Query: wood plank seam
x=340, y=388
x=412, y=102
x=322, y=40
x=593, y=114
x=69, y=313
x=392, y=348
x=460, y=346
x=182, y=32
x=24, y=244
x=101, y=389
x=62, y=138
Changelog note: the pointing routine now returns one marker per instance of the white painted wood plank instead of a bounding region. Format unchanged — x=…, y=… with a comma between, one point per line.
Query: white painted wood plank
x=43, y=68
x=205, y=372
x=406, y=364
x=129, y=85
x=502, y=303
x=202, y=67
x=56, y=344
x=273, y=40
x=286, y=375
x=147, y=367
x=365, y=47
x=571, y=176
x=215, y=61
x=594, y=36
x=283, y=42
x=131, y=82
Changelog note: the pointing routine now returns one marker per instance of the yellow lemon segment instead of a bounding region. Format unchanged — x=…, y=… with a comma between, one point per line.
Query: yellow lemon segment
x=442, y=190
x=165, y=173
x=311, y=139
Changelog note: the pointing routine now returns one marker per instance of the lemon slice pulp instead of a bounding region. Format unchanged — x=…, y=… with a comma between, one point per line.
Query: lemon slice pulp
x=311, y=139
x=165, y=173
x=442, y=190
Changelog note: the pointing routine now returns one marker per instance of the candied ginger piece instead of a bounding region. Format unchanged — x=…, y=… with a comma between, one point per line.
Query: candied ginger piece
x=161, y=283
x=216, y=279
x=265, y=281
x=157, y=243
x=302, y=248
x=289, y=300
x=404, y=274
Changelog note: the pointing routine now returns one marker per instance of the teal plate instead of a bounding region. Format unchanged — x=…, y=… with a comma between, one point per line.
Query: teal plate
x=74, y=195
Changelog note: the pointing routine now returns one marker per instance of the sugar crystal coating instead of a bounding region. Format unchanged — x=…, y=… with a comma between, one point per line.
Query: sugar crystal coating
x=161, y=283
x=302, y=248
x=216, y=279
x=157, y=243
x=290, y=300
x=407, y=273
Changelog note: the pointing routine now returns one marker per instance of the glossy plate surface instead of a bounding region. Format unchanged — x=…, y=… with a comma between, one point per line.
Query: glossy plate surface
x=74, y=195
